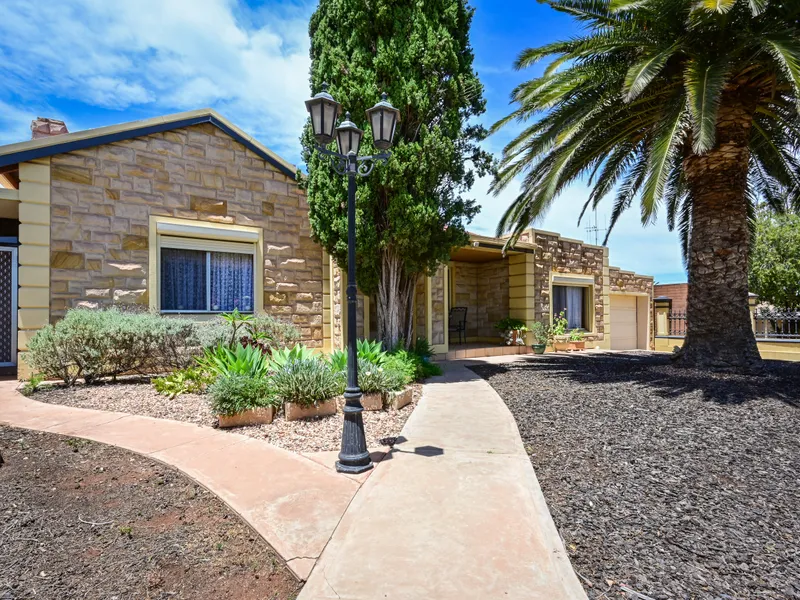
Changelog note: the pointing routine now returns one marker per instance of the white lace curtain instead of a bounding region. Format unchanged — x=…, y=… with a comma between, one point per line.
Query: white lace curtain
x=185, y=276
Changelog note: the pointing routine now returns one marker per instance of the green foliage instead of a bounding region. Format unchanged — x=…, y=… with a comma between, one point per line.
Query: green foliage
x=338, y=360
x=429, y=369
x=510, y=324
x=775, y=260
x=373, y=378
x=540, y=332
x=280, y=357
x=265, y=327
x=234, y=393
x=191, y=380
x=634, y=98
x=93, y=344
x=32, y=384
x=576, y=335
x=306, y=381
x=422, y=348
x=411, y=208
x=402, y=368
x=241, y=360
x=560, y=324
x=370, y=351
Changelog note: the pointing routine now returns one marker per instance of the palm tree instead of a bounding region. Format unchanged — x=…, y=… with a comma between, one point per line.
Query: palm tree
x=683, y=103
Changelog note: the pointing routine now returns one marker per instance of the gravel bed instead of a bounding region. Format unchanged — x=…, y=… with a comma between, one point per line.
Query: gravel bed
x=311, y=435
x=671, y=482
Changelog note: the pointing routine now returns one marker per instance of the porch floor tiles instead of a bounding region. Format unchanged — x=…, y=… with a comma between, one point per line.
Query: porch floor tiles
x=454, y=512
x=481, y=350
x=294, y=502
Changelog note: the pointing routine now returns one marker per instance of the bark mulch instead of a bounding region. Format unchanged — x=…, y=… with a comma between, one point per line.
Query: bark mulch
x=138, y=397
x=671, y=482
x=80, y=519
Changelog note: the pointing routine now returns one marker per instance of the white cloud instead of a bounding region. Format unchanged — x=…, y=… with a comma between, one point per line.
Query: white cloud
x=158, y=56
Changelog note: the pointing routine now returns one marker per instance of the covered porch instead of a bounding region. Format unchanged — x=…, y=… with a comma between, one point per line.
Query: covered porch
x=457, y=308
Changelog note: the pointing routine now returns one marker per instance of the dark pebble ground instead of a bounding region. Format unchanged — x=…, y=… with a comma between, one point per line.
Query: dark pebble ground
x=672, y=482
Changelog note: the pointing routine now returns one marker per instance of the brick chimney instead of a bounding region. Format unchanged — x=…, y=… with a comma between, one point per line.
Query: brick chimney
x=42, y=127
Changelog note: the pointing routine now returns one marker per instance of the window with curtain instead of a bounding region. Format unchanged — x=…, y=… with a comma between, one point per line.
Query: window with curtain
x=573, y=301
x=206, y=281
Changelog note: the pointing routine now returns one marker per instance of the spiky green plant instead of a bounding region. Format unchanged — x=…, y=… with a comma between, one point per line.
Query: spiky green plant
x=688, y=105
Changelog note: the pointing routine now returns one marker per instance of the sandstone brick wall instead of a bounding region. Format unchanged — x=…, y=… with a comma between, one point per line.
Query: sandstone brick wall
x=483, y=289
x=102, y=198
x=439, y=323
x=567, y=257
x=626, y=281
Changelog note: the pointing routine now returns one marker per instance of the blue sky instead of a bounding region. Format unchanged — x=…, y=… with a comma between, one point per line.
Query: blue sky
x=99, y=62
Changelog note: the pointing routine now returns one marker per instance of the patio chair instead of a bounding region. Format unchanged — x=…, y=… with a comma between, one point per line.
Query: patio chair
x=457, y=322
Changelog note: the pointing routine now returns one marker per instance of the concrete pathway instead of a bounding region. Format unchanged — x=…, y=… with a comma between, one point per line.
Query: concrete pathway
x=294, y=501
x=453, y=512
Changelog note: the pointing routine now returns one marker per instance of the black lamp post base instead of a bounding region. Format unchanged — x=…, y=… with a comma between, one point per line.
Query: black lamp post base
x=354, y=469
x=354, y=456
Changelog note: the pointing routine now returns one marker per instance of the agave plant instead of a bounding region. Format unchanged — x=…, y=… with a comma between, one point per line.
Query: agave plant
x=686, y=104
x=280, y=357
x=241, y=360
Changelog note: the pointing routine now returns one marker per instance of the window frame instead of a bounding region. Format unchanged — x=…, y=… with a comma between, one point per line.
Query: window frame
x=587, y=283
x=206, y=237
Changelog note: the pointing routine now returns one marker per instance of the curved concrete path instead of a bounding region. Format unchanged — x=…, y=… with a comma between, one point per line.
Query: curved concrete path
x=293, y=501
x=454, y=512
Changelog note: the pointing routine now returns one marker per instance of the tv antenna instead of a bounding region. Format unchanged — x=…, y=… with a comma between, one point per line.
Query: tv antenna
x=596, y=231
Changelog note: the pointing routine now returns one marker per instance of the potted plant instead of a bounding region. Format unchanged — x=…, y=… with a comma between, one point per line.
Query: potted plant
x=559, y=338
x=308, y=387
x=240, y=400
x=576, y=341
x=512, y=331
x=541, y=335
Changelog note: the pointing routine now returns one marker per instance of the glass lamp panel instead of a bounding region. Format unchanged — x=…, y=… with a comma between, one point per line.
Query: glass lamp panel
x=316, y=118
x=329, y=118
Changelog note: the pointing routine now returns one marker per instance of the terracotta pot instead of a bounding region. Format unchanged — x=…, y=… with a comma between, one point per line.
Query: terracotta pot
x=577, y=345
x=263, y=415
x=294, y=411
x=397, y=400
x=560, y=345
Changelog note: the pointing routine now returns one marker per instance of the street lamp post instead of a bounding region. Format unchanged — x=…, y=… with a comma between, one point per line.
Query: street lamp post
x=383, y=119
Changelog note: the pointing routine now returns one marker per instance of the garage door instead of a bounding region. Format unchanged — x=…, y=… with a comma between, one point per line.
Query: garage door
x=623, y=323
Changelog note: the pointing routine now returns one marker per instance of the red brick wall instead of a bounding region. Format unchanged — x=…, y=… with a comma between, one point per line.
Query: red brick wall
x=676, y=291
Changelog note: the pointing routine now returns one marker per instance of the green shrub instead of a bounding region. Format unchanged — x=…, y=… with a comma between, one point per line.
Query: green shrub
x=373, y=378
x=30, y=386
x=241, y=360
x=306, y=381
x=511, y=324
x=280, y=357
x=279, y=333
x=402, y=367
x=370, y=351
x=235, y=393
x=192, y=380
x=423, y=349
x=429, y=369
x=338, y=360
x=211, y=333
x=423, y=367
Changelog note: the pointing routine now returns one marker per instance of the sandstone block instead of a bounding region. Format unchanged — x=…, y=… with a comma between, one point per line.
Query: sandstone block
x=67, y=260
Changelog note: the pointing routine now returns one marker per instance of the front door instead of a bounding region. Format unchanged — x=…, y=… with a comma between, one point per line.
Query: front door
x=8, y=306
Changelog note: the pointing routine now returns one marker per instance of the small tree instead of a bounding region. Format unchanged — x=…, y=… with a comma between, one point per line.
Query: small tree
x=410, y=212
x=775, y=259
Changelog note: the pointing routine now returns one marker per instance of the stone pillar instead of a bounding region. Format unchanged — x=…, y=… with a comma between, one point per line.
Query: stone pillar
x=326, y=303
x=662, y=306
x=34, y=254
x=752, y=302
x=521, y=293
x=605, y=343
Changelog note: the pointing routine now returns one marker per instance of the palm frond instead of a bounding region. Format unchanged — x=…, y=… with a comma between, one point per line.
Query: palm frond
x=704, y=82
x=642, y=73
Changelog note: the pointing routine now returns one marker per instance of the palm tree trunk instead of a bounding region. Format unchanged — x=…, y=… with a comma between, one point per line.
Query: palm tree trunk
x=719, y=332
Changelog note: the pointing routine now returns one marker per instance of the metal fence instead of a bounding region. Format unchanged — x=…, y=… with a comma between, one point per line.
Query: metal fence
x=677, y=323
x=778, y=325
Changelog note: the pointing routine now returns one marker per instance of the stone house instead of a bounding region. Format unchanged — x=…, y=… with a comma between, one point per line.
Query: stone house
x=187, y=214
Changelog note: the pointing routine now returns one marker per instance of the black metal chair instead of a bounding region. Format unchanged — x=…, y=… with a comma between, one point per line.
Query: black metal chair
x=457, y=322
